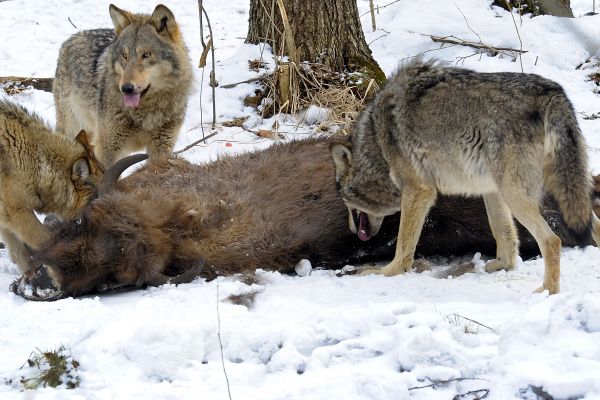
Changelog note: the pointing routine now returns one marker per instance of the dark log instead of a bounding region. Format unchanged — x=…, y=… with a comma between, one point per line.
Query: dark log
x=15, y=84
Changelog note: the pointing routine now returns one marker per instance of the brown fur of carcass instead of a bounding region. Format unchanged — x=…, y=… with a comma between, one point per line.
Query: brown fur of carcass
x=267, y=209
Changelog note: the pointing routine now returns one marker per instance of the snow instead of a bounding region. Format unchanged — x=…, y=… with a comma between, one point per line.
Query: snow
x=316, y=335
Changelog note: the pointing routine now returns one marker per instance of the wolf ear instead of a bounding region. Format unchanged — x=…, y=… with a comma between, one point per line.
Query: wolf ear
x=163, y=20
x=80, y=172
x=120, y=18
x=82, y=138
x=342, y=159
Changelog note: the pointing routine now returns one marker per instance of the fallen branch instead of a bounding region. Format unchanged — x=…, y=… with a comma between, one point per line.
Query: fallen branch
x=14, y=83
x=482, y=46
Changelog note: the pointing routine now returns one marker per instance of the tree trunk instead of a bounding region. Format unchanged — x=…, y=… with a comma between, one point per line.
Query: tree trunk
x=558, y=8
x=325, y=31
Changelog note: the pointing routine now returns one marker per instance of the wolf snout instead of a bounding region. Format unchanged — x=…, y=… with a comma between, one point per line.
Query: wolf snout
x=128, y=88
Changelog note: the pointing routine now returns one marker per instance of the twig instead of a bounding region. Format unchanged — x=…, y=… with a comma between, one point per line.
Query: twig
x=518, y=34
x=221, y=344
x=372, y=10
x=213, y=82
x=258, y=78
x=473, y=321
x=377, y=38
x=197, y=142
x=289, y=36
x=69, y=18
x=446, y=381
x=378, y=7
x=467, y=22
x=480, y=393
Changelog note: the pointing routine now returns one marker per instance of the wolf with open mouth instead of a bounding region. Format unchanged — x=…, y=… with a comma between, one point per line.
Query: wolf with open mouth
x=127, y=86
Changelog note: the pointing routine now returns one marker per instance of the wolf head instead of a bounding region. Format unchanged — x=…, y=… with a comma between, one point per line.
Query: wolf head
x=368, y=191
x=148, y=54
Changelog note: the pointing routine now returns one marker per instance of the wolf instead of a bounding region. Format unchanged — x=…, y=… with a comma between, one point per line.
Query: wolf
x=40, y=171
x=156, y=224
x=508, y=137
x=128, y=86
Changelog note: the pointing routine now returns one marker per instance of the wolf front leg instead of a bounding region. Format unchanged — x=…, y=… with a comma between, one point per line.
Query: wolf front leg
x=26, y=228
x=19, y=253
x=162, y=141
x=417, y=200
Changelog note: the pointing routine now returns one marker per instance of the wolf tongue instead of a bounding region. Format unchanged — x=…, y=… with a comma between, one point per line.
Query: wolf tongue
x=363, y=223
x=131, y=100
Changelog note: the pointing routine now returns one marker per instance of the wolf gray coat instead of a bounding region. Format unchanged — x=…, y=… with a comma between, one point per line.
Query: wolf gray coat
x=128, y=86
x=434, y=129
x=39, y=171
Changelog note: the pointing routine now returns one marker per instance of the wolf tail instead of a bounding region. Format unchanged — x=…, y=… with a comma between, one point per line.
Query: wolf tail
x=566, y=174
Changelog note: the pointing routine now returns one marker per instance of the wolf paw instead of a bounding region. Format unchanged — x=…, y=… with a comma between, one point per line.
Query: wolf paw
x=552, y=289
x=497, y=265
x=392, y=269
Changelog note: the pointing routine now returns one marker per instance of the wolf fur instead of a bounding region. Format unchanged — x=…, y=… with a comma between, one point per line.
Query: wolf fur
x=165, y=217
x=504, y=136
x=39, y=171
x=128, y=87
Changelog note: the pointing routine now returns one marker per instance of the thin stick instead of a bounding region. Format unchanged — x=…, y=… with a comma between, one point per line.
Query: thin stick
x=200, y=7
x=446, y=381
x=378, y=7
x=473, y=321
x=287, y=30
x=221, y=344
x=518, y=34
x=213, y=81
x=258, y=78
x=372, y=9
x=467, y=22
x=197, y=142
x=69, y=18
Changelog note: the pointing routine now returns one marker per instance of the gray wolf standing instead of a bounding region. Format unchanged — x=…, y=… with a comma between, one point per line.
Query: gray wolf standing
x=128, y=87
x=505, y=136
x=39, y=171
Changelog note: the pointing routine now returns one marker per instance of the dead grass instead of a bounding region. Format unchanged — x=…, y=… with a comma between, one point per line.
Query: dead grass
x=345, y=94
x=51, y=368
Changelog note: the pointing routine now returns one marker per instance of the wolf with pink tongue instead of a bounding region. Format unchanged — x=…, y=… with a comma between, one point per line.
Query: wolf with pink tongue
x=128, y=86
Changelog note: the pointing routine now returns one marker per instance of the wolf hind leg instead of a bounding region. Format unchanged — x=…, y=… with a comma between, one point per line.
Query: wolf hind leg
x=526, y=210
x=504, y=231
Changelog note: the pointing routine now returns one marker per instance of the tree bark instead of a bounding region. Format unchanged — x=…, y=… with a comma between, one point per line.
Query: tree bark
x=325, y=31
x=558, y=8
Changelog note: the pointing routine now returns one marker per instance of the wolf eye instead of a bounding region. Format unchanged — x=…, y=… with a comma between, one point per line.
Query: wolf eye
x=146, y=54
x=124, y=56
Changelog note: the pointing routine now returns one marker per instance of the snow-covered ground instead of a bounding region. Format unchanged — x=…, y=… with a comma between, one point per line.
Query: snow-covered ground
x=320, y=336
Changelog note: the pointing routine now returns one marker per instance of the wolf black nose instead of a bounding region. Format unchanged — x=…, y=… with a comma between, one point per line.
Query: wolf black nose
x=127, y=88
